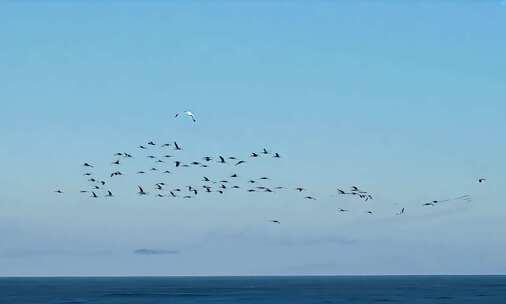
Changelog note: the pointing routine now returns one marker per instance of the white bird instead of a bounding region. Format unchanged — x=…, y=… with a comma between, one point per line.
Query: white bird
x=188, y=113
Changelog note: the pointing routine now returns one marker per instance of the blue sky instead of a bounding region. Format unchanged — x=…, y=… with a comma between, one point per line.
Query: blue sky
x=405, y=100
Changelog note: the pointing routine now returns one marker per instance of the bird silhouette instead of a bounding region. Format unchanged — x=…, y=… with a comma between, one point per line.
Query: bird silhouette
x=275, y=222
x=176, y=146
x=141, y=191
x=240, y=162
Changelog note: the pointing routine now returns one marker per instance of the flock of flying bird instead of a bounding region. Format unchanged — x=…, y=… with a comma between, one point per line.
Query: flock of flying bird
x=96, y=186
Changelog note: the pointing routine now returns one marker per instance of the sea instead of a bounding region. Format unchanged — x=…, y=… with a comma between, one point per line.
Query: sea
x=237, y=290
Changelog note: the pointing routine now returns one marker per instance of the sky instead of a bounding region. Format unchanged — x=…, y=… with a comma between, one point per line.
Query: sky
x=404, y=100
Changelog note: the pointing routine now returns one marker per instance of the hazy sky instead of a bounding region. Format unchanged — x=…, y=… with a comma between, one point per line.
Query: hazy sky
x=406, y=101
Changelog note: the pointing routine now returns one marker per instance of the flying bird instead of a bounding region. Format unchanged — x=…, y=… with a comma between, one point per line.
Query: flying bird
x=401, y=212
x=240, y=162
x=276, y=155
x=482, y=180
x=87, y=165
x=176, y=146
x=94, y=195
x=109, y=193
x=59, y=191
x=141, y=191
x=187, y=113
x=275, y=222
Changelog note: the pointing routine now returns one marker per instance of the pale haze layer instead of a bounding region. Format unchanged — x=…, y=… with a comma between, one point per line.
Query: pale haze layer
x=406, y=101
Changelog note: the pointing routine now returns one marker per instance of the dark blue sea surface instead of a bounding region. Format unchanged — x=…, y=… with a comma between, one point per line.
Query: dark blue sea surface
x=237, y=290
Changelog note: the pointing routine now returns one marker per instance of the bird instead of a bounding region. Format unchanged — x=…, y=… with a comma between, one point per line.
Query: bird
x=167, y=156
x=254, y=154
x=153, y=169
x=141, y=191
x=172, y=194
x=118, y=154
x=94, y=195
x=205, y=179
x=187, y=113
x=251, y=190
x=87, y=165
x=195, y=163
x=355, y=189
x=140, y=172
x=369, y=212
x=300, y=189
x=109, y=193
x=428, y=204
x=207, y=158
x=310, y=198
x=265, y=151
x=341, y=191
x=240, y=162
x=87, y=174
x=166, y=145
x=158, y=187
x=159, y=161
x=176, y=146
x=127, y=155
x=276, y=155
x=142, y=147
x=151, y=143
x=166, y=171
x=222, y=159
x=187, y=196
x=233, y=175
x=264, y=178
x=178, y=163
x=92, y=180
x=401, y=212
x=59, y=191
x=482, y=180
x=103, y=183
x=343, y=210
x=275, y=222
x=151, y=156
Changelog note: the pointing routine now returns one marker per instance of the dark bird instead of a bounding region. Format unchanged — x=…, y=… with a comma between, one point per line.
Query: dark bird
x=265, y=151
x=428, y=204
x=167, y=156
x=87, y=165
x=355, y=189
x=343, y=210
x=103, y=183
x=341, y=191
x=187, y=196
x=96, y=187
x=276, y=155
x=141, y=191
x=94, y=195
x=59, y=191
x=279, y=188
x=232, y=158
x=159, y=161
x=220, y=191
x=239, y=162
x=176, y=146
x=151, y=156
x=84, y=191
x=140, y=172
x=115, y=162
x=159, y=195
x=235, y=187
x=118, y=154
x=401, y=212
x=166, y=145
x=251, y=181
x=195, y=163
x=151, y=143
x=127, y=155
x=207, y=158
x=92, y=180
x=482, y=180
x=300, y=189
x=268, y=190
x=208, y=189
x=275, y=222
x=87, y=174
x=369, y=212
x=223, y=187
x=251, y=190
x=158, y=187
x=153, y=169
x=195, y=191
x=233, y=175
x=310, y=198
x=222, y=160
x=109, y=194
x=224, y=181
x=167, y=171
x=206, y=179
x=142, y=147
x=172, y=194
x=254, y=154
x=178, y=163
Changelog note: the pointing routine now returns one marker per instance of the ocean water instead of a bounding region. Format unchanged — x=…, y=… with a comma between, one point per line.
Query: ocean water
x=237, y=290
